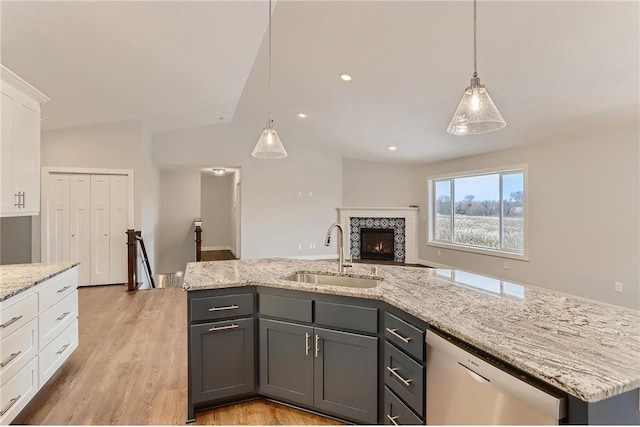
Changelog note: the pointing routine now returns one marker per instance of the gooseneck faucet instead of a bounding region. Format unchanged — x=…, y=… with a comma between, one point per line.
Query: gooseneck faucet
x=327, y=242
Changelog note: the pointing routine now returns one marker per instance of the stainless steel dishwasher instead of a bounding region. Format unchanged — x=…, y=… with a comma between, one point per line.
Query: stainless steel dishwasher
x=464, y=386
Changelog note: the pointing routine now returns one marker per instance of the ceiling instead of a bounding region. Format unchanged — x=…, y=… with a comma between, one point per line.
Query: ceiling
x=554, y=69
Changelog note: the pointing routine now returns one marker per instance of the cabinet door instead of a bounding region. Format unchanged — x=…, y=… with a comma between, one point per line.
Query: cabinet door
x=100, y=229
x=222, y=360
x=346, y=375
x=26, y=154
x=118, y=213
x=286, y=361
x=8, y=199
x=57, y=227
x=80, y=225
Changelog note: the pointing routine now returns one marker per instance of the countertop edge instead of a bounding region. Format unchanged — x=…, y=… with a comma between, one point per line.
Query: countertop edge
x=38, y=281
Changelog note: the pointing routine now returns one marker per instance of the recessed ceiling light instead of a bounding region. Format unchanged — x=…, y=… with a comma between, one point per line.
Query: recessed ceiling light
x=218, y=171
x=302, y=115
x=392, y=148
x=345, y=77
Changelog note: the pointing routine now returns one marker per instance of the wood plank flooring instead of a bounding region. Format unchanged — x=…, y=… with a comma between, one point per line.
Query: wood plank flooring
x=131, y=368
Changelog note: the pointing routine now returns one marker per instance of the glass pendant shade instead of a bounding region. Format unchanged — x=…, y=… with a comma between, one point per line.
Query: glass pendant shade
x=476, y=112
x=269, y=145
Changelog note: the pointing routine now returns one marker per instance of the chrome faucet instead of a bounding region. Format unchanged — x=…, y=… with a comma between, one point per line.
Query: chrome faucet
x=327, y=242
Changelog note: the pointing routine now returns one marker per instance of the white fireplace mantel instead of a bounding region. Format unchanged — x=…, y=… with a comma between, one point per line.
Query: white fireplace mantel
x=410, y=216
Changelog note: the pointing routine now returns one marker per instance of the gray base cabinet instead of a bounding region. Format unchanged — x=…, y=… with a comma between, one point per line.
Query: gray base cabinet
x=222, y=359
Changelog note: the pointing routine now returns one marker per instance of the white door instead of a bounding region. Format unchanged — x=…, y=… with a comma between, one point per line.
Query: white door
x=80, y=225
x=7, y=197
x=57, y=227
x=118, y=198
x=100, y=229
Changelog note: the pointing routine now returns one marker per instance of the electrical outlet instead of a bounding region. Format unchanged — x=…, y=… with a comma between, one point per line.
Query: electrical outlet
x=506, y=265
x=310, y=193
x=618, y=287
x=439, y=252
x=299, y=246
x=299, y=193
x=314, y=245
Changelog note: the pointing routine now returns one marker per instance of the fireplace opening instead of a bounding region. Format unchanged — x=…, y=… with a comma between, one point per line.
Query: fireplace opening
x=376, y=244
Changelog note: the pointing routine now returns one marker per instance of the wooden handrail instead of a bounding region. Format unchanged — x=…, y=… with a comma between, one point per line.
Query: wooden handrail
x=198, y=231
x=132, y=267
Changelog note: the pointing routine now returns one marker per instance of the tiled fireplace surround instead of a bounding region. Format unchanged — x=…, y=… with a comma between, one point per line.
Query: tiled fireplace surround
x=402, y=220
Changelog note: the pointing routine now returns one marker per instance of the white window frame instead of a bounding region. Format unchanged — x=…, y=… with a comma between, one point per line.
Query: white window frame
x=523, y=167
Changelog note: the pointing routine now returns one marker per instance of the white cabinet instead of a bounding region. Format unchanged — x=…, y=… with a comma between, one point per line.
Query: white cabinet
x=86, y=221
x=39, y=331
x=19, y=146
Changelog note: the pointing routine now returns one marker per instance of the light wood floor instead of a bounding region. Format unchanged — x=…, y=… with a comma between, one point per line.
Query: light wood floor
x=131, y=368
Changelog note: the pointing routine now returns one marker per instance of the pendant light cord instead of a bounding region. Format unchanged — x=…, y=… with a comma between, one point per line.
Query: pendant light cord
x=475, y=40
x=269, y=85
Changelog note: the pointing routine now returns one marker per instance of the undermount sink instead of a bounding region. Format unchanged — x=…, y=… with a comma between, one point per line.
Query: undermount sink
x=333, y=280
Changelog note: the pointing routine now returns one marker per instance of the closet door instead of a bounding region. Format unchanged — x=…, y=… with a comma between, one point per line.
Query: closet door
x=80, y=225
x=57, y=247
x=118, y=198
x=100, y=229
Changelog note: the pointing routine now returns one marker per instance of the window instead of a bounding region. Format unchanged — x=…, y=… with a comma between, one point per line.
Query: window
x=479, y=212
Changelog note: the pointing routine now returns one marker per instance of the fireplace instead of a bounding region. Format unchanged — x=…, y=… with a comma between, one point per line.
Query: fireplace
x=376, y=243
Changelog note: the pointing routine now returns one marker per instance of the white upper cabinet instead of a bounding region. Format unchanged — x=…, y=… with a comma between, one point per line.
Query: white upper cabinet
x=19, y=146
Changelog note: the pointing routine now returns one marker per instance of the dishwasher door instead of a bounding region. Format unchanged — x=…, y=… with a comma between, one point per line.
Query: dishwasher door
x=463, y=389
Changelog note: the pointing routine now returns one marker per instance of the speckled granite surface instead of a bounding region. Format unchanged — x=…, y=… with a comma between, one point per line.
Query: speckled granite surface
x=589, y=349
x=15, y=278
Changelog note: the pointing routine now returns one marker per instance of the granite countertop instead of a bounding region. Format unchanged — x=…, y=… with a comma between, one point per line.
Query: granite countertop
x=589, y=349
x=15, y=278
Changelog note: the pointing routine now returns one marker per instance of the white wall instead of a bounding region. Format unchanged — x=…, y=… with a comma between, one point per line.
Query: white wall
x=583, y=217
x=277, y=212
x=179, y=206
x=150, y=201
x=373, y=184
x=216, y=210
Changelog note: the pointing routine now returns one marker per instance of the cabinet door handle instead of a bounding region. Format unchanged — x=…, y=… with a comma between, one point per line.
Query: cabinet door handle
x=317, y=344
x=307, y=344
x=393, y=419
x=64, y=347
x=397, y=335
x=11, y=403
x=13, y=356
x=397, y=375
x=222, y=328
x=24, y=197
x=63, y=289
x=63, y=315
x=11, y=322
x=226, y=307
x=17, y=199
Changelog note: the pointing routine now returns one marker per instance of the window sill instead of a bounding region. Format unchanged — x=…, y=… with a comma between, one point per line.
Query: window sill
x=481, y=251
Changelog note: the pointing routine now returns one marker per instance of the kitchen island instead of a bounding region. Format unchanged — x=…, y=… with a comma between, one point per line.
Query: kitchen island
x=587, y=349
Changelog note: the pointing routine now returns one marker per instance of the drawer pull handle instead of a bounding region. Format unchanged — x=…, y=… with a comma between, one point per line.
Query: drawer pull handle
x=223, y=328
x=11, y=403
x=63, y=315
x=307, y=344
x=64, y=347
x=393, y=419
x=227, y=307
x=397, y=335
x=13, y=356
x=63, y=289
x=11, y=322
x=397, y=375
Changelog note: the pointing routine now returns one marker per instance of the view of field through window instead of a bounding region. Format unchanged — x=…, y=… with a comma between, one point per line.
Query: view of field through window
x=472, y=211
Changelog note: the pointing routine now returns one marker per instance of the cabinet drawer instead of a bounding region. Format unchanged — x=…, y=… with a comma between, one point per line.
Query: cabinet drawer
x=211, y=308
x=17, y=349
x=18, y=391
x=405, y=377
x=15, y=316
x=56, y=288
x=58, y=350
x=396, y=412
x=57, y=318
x=405, y=336
x=285, y=308
x=345, y=316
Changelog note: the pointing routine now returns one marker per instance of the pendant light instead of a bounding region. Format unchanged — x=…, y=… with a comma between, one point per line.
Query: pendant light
x=476, y=112
x=269, y=145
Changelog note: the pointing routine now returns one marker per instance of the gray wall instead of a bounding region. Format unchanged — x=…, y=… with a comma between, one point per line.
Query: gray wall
x=15, y=240
x=216, y=210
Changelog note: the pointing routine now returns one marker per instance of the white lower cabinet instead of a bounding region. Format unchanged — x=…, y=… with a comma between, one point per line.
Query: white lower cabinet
x=38, y=332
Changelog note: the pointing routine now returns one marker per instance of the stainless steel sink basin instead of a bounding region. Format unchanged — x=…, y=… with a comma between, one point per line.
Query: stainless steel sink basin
x=332, y=280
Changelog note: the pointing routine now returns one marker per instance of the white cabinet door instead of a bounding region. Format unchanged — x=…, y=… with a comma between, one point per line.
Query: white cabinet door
x=100, y=242
x=7, y=196
x=118, y=199
x=57, y=227
x=80, y=225
x=26, y=155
